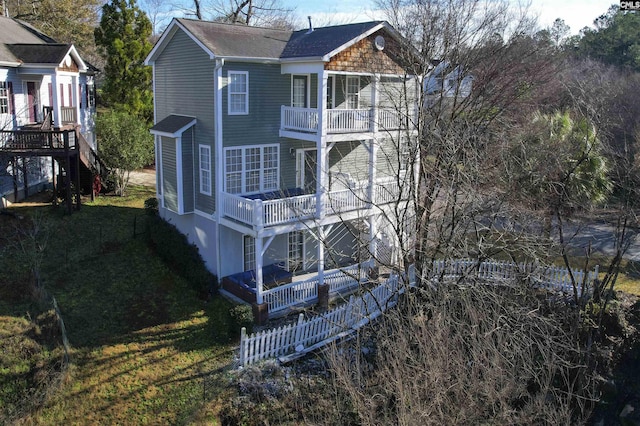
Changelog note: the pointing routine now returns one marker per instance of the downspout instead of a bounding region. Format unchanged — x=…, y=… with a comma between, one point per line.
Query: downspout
x=217, y=88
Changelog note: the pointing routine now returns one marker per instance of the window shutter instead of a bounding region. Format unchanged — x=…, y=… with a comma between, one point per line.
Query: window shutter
x=51, y=95
x=86, y=96
x=61, y=94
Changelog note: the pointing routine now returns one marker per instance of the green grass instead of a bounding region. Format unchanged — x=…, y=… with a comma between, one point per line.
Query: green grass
x=145, y=348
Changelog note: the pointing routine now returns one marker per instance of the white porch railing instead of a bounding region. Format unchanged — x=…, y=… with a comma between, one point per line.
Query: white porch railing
x=288, y=209
x=343, y=120
x=346, y=200
x=349, y=120
x=391, y=119
x=303, y=119
x=291, y=209
x=304, y=292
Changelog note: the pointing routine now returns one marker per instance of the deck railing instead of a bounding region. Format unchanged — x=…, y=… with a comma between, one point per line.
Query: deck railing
x=68, y=115
x=291, y=209
x=343, y=120
x=37, y=139
x=304, y=292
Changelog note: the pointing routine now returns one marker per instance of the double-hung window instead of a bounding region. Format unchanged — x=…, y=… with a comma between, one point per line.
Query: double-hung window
x=4, y=97
x=238, y=90
x=205, y=169
x=251, y=169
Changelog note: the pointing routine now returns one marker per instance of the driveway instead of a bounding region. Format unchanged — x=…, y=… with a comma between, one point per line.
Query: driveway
x=144, y=177
x=602, y=238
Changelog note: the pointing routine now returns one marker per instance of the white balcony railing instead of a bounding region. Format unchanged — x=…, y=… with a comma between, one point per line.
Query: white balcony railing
x=284, y=210
x=343, y=120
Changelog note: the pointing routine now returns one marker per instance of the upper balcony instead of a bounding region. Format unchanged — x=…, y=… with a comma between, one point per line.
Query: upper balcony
x=268, y=211
x=303, y=122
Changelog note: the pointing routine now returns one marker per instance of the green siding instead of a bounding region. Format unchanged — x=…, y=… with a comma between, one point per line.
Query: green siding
x=184, y=84
x=169, y=176
x=187, y=170
x=268, y=91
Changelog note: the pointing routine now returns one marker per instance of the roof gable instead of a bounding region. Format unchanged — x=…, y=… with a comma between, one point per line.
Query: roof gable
x=327, y=41
x=241, y=42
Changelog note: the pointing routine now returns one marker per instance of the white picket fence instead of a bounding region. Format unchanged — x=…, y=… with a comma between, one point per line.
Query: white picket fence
x=549, y=277
x=308, y=334
x=293, y=340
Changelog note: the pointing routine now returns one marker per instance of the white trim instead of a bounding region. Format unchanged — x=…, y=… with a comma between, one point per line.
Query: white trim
x=167, y=35
x=353, y=41
x=229, y=93
x=179, y=176
x=243, y=169
x=244, y=252
x=347, y=93
x=307, y=89
x=200, y=169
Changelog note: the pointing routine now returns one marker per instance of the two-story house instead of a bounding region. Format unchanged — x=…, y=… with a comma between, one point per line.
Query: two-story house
x=44, y=86
x=277, y=152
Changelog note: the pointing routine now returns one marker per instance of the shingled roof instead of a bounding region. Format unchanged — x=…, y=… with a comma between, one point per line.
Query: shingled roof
x=241, y=41
x=229, y=40
x=324, y=40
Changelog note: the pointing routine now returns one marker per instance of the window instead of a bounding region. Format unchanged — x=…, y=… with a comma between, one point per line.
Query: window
x=296, y=251
x=353, y=92
x=249, y=245
x=330, y=94
x=299, y=92
x=251, y=170
x=4, y=98
x=205, y=169
x=238, y=89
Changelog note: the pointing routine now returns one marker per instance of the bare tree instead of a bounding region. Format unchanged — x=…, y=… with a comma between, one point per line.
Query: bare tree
x=266, y=13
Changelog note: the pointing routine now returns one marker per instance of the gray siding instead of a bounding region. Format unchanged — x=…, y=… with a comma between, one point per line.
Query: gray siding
x=169, y=175
x=268, y=91
x=184, y=84
x=188, y=174
x=350, y=157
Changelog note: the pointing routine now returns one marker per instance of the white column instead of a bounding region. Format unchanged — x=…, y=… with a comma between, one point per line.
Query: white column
x=375, y=113
x=56, y=100
x=322, y=171
x=373, y=154
x=75, y=83
x=259, y=282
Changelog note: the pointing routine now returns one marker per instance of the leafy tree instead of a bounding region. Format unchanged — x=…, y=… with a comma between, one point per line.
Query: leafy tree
x=616, y=39
x=559, y=164
x=123, y=39
x=66, y=21
x=125, y=144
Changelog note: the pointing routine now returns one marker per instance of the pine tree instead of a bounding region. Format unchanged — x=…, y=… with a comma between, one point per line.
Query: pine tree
x=123, y=39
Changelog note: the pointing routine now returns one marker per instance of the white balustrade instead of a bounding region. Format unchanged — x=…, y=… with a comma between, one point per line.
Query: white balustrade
x=303, y=119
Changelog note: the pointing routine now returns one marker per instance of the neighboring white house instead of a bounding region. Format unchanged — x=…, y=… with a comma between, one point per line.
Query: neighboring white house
x=281, y=154
x=43, y=85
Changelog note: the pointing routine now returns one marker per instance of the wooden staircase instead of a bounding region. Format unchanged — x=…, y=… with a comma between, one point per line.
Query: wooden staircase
x=90, y=166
